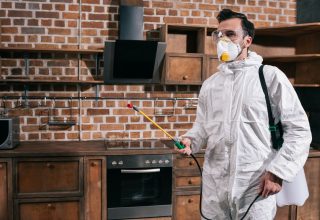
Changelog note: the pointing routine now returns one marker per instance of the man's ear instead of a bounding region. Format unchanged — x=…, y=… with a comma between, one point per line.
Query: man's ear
x=247, y=41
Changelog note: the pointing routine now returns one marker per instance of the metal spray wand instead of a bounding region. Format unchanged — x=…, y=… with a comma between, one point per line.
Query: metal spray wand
x=175, y=140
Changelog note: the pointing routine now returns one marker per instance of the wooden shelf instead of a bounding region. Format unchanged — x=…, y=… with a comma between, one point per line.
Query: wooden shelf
x=44, y=50
x=286, y=30
x=48, y=81
x=292, y=58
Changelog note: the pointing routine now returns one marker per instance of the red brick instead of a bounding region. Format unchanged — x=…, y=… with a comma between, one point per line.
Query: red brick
x=184, y=13
x=59, y=31
x=273, y=11
x=59, y=136
x=6, y=5
x=99, y=17
x=97, y=111
x=60, y=7
x=111, y=127
x=69, y=15
x=177, y=20
x=90, y=1
x=19, y=5
x=90, y=127
x=47, y=7
x=196, y=21
x=73, y=136
x=135, y=126
x=9, y=30
x=162, y=4
x=173, y=12
x=15, y=13
x=46, y=22
x=33, y=136
x=42, y=14
x=99, y=9
x=33, y=22
x=92, y=24
x=185, y=6
x=19, y=38
x=59, y=23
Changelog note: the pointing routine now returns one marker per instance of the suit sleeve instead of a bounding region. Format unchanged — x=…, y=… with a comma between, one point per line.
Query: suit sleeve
x=197, y=133
x=290, y=159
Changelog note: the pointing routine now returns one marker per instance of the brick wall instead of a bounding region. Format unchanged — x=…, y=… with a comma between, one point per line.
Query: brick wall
x=101, y=111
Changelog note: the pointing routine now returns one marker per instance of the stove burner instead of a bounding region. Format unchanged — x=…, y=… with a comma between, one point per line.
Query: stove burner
x=138, y=144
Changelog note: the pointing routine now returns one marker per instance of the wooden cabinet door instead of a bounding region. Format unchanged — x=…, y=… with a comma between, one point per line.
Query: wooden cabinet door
x=48, y=209
x=95, y=188
x=44, y=177
x=186, y=207
x=5, y=190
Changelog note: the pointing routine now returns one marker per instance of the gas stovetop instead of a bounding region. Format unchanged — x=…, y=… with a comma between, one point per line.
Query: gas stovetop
x=138, y=144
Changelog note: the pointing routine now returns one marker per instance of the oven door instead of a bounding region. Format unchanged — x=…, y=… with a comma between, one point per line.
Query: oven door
x=134, y=193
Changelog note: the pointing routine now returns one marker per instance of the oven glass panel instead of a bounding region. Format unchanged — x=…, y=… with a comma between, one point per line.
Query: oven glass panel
x=127, y=189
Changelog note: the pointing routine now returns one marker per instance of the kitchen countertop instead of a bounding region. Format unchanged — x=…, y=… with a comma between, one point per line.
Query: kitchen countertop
x=82, y=148
x=93, y=148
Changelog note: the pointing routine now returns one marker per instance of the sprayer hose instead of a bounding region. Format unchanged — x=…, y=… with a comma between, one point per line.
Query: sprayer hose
x=200, y=203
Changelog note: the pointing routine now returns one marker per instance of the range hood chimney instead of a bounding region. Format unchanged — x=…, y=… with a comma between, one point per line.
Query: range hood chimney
x=131, y=20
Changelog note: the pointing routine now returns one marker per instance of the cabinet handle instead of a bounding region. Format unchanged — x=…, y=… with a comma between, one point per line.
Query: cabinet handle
x=1, y=166
x=185, y=77
x=191, y=163
x=93, y=164
x=50, y=206
x=190, y=201
x=49, y=165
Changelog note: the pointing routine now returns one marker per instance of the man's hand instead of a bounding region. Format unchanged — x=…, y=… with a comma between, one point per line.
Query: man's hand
x=187, y=143
x=270, y=184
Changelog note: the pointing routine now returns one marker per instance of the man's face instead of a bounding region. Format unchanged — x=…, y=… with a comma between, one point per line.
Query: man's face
x=232, y=29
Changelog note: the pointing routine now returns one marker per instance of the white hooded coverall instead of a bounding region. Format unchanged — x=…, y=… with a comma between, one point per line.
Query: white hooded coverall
x=232, y=123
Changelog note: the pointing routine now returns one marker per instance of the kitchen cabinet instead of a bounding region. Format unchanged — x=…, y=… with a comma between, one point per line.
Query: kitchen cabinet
x=48, y=188
x=186, y=60
x=95, y=188
x=186, y=187
x=5, y=190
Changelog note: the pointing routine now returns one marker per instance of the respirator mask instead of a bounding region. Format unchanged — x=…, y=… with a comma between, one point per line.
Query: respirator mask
x=227, y=48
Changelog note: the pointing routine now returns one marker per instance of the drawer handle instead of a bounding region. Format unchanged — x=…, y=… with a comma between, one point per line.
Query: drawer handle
x=49, y=165
x=50, y=206
x=93, y=164
x=190, y=201
x=191, y=163
x=185, y=77
x=190, y=182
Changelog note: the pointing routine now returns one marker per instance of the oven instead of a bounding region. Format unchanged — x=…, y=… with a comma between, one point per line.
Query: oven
x=139, y=186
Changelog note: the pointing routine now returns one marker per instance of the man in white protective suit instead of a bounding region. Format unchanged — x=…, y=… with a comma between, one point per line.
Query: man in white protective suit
x=232, y=123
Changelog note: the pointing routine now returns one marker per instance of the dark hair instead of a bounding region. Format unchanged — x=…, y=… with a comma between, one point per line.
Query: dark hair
x=247, y=26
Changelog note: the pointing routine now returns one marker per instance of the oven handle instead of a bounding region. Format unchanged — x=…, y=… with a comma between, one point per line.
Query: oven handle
x=157, y=170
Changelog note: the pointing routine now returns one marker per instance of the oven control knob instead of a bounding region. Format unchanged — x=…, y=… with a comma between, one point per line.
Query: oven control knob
x=166, y=161
x=147, y=162
x=154, y=162
x=114, y=163
x=120, y=162
x=160, y=161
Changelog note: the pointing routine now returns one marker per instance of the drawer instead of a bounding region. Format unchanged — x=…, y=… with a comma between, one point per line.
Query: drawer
x=186, y=207
x=187, y=162
x=184, y=69
x=187, y=181
x=66, y=209
x=57, y=177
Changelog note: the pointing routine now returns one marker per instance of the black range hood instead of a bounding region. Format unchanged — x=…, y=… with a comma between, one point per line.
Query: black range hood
x=132, y=60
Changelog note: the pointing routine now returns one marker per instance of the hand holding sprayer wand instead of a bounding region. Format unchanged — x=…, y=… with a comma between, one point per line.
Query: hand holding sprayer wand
x=181, y=146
